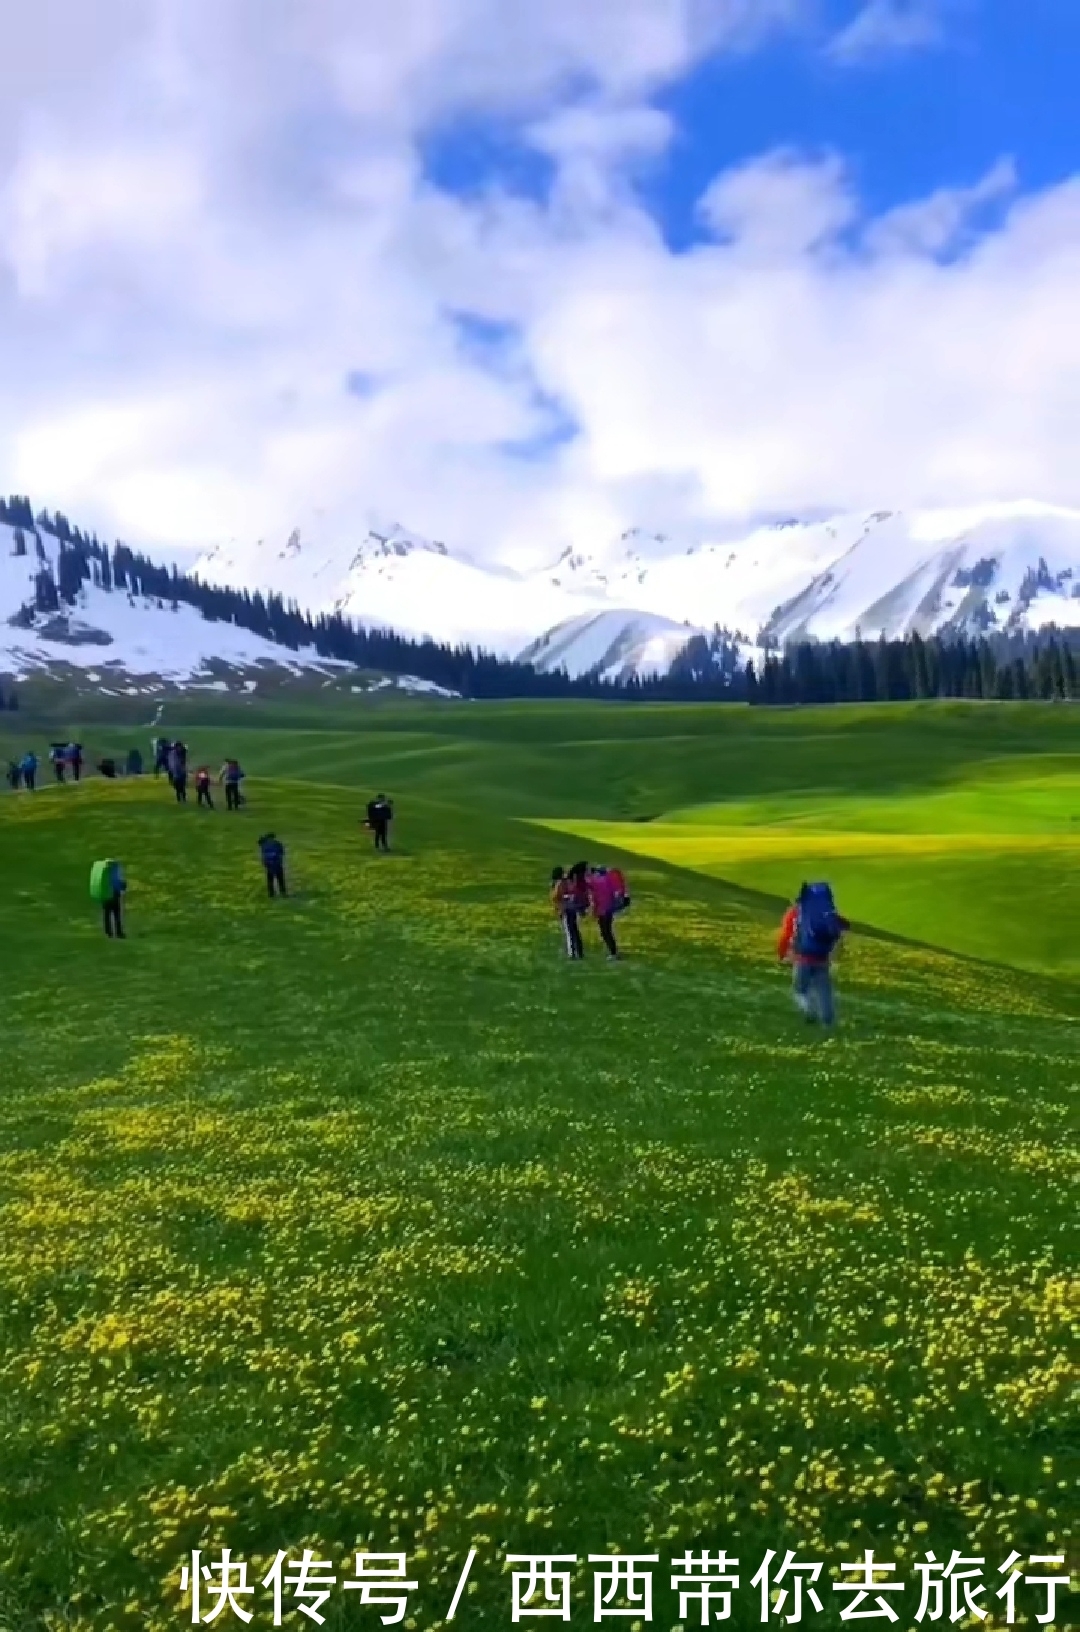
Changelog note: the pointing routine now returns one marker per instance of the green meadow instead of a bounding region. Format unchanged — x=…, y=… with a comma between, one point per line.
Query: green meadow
x=361, y=1220
x=989, y=867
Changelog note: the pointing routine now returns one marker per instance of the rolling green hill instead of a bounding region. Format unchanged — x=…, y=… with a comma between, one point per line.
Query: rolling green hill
x=988, y=866
x=362, y=1219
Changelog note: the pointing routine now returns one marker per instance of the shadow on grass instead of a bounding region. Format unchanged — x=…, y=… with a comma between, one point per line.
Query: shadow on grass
x=767, y=906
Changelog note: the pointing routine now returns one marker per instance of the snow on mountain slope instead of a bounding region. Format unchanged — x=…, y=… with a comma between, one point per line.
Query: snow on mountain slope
x=999, y=567
x=612, y=645
x=995, y=567
x=1005, y=568
x=394, y=579
x=113, y=631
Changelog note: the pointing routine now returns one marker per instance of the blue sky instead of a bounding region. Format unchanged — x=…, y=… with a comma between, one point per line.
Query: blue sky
x=1002, y=80
x=999, y=78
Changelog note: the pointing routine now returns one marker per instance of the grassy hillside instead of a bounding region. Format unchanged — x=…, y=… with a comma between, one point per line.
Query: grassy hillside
x=988, y=866
x=363, y=1219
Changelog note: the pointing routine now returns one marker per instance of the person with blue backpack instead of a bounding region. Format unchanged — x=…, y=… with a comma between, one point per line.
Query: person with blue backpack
x=811, y=932
x=272, y=855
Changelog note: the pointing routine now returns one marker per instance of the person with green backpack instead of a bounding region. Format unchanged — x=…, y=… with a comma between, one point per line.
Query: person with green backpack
x=107, y=886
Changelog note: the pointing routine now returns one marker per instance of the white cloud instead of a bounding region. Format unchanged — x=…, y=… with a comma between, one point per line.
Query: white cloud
x=194, y=258
x=63, y=207
x=779, y=204
x=938, y=223
x=884, y=27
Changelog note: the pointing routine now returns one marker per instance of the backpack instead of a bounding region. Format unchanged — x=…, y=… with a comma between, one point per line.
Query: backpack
x=817, y=929
x=576, y=895
x=621, y=888
x=102, y=883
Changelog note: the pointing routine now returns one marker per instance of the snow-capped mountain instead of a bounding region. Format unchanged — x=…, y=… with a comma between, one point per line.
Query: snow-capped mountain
x=1004, y=567
x=113, y=634
x=397, y=580
x=611, y=645
x=628, y=609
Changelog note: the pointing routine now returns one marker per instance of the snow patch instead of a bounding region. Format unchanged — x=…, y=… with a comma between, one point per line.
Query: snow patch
x=142, y=637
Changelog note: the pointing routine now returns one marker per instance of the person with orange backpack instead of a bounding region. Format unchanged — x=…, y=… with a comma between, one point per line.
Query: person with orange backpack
x=809, y=935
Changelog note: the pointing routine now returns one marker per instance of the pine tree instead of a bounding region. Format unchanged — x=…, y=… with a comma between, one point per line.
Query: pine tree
x=987, y=669
x=46, y=597
x=1058, y=688
x=69, y=569
x=920, y=673
x=1071, y=671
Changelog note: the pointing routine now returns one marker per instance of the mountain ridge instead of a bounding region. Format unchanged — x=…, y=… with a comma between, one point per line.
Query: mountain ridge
x=997, y=568
x=647, y=607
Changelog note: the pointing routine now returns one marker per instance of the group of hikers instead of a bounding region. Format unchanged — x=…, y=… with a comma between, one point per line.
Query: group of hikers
x=64, y=757
x=582, y=892
x=172, y=758
x=810, y=934
x=107, y=882
x=380, y=813
x=22, y=773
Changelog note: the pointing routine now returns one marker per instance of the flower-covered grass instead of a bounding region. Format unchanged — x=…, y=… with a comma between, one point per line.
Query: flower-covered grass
x=363, y=1219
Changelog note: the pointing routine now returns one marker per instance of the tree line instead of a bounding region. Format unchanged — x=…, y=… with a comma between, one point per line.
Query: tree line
x=1045, y=666
x=709, y=667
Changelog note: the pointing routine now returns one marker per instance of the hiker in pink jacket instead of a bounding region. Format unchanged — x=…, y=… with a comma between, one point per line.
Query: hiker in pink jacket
x=602, y=901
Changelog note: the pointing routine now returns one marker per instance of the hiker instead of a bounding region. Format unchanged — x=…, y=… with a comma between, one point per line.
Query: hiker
x=602, y=905
x=809, y=936
x=58, y=759
x=14, y=773
x=28, y=766
x=75, y=758
x=178, y=778
x=107, y=886
x=380, y=813
x=162, y=750
x=202, y=787
x=574, y=904
x=134, y=762
x=231, y=776
x=272, y=852
x=561, y=896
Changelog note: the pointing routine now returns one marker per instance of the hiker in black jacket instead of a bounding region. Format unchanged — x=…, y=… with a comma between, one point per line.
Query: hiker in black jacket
x=380, y=813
